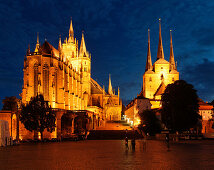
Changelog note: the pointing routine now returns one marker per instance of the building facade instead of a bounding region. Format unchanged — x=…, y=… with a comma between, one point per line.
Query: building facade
x=136, y=106
x=63, y=77
x=160, y=74
x=206, y=113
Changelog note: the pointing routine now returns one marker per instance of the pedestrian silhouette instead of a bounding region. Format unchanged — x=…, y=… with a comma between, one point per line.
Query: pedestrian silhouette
x=127, y=142
x=167, y=140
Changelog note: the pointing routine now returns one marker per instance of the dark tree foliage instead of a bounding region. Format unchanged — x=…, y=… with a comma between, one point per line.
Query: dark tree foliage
x=149, y=122
x=180, y=106
x=37, y=115
x=10, y=103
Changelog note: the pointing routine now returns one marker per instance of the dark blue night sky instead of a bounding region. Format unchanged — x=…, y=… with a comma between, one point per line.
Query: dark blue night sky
x=115, y=35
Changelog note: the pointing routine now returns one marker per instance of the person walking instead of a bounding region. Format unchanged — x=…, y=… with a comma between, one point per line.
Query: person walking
x=127, y=142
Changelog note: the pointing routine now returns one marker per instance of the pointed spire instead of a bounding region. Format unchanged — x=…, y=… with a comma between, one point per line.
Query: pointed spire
x=71, y=33
x=83, y=51
x=28, y=49
x=37, y=43
x=149, y=59
x=60, y=48
x=171, y=58
x=160, y=45
x=103, y=90
x=118, y=92
x=110, y=91
x=60, y=43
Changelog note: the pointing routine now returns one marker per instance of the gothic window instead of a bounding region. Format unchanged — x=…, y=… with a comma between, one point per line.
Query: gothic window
x=35, y=79
x=150, y=79
x=72, y=54
x=173, y=79
x=55, y=83
x=85, y=69
x=161, y=67
x=161, y=76
x=66, y=82
x=46, y=82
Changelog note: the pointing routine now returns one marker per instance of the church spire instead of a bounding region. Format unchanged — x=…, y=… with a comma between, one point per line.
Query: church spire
x=37, y=43
x=28, y=49
x=60, y=43
x=83, y=51
x=110, y=91
x=160, y=45
x=71, y=33
x=149, y=59
x=171, y=59
x=60, y=48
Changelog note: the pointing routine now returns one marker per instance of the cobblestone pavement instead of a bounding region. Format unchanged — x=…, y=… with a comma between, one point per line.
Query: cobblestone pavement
x=109, y=154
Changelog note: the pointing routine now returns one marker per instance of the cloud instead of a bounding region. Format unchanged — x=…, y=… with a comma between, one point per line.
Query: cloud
x=201, y=76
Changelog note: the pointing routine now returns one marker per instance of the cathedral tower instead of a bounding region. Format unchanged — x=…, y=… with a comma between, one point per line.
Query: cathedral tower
x=160, y=74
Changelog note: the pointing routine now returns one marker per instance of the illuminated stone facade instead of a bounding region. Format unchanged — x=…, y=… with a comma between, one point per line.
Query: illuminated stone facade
x=160, y=74
x=206, y=112
x=136, y=106
x=63, y=76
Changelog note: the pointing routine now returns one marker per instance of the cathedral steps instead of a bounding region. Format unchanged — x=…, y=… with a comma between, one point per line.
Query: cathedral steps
x=113, y=134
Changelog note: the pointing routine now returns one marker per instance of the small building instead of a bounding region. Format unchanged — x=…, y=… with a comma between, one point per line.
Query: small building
x=206, y=112
x=136, y=106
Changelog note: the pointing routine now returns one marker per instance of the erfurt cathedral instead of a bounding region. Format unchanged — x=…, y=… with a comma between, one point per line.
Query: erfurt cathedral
x=160, y=74
x=63, y=77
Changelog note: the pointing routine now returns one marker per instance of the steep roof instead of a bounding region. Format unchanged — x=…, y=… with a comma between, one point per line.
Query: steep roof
x=95, y=87
x=160, y=89
x=47, y=49
x=204, y=106
x=161, y=61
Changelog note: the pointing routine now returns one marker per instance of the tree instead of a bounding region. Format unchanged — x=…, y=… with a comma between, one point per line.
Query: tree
x=180, y=106
x=37, y=115
x=149, y=122
x=10, y=103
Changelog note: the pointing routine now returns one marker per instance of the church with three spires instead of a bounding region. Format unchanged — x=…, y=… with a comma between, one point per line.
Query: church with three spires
x=155, y=79
x=160, y=74
x=63, y=77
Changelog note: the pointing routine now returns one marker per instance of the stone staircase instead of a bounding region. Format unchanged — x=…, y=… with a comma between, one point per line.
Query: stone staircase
x=113, y=134
x=114, y=130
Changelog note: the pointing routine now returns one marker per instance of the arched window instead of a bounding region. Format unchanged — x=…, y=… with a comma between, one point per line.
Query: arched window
x=46, y=82
x=173, y=79
x=150, y=79
x=35, y=79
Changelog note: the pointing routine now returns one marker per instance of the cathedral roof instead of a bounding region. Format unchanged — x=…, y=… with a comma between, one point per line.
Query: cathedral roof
x=150, y=72
x=204, y=106
x=173, y=71
x=161, y=61
x=160, y=89
x=48, y=49
x=95, y=87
